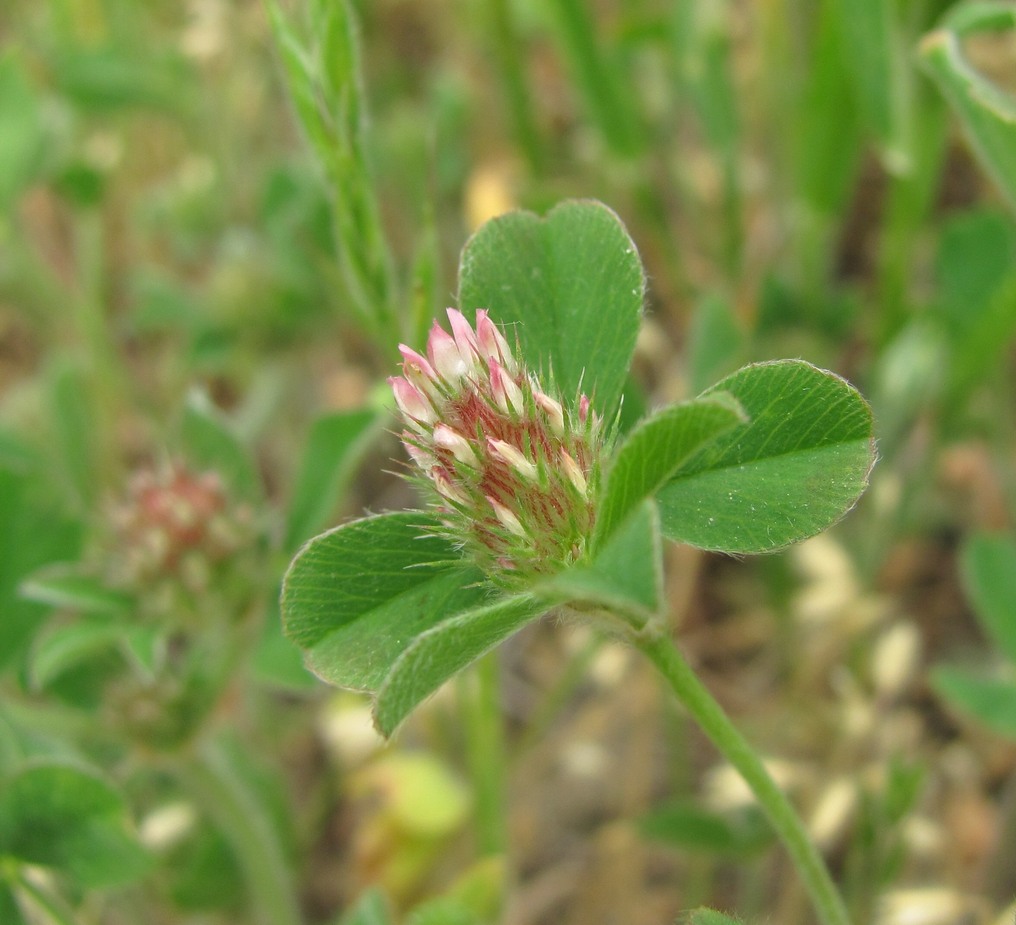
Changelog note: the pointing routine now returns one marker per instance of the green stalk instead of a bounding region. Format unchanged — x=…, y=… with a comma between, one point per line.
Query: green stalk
x=610, y=100
x=659, y=647
x=486, y=753
x=239, y=815
x=910, y=199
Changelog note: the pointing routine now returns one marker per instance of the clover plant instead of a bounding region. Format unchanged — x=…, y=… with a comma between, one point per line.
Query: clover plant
x=536, y=501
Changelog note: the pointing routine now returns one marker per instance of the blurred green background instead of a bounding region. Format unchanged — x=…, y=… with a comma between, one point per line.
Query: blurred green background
x=217, y=221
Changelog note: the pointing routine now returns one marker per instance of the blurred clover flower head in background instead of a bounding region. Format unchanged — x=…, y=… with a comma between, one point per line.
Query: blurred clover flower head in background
x=175, y=531
x=514, y=471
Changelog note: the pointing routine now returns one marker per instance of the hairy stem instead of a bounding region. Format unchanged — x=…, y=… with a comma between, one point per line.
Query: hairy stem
x=659, y=647
x=484, y=729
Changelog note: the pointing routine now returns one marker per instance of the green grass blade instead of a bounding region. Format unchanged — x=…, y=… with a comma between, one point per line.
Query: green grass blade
x=879, y=74
x=987, y=113
x=324, y=74
x=609, y=99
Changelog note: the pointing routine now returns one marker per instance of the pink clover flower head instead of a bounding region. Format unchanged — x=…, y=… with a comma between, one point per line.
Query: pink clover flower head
x=176, y=535
x=512, y=470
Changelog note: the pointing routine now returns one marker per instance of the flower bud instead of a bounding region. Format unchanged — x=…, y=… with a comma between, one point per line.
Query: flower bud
x=508, y=454
x=507, y=518
x=514, y=472
x=493, y=346
x=445, y=356
x=418, y=371
x=424, y=459
x=463, y=334
x=506, y=392
x=445, y=487
x=447, y=439
x=412, y=403
x=574, y=472
x=553, y=410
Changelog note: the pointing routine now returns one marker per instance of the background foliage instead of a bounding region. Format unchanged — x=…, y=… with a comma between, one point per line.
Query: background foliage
x=216, y=222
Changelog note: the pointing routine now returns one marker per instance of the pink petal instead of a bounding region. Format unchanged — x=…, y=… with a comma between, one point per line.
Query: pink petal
x=504, y=389
x=411, y=401
x=464, y=336
x=492, y=342
x=445, y=355
x=418, y=370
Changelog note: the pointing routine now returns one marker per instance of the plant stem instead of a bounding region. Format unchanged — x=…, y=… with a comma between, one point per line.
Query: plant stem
x=240, y=816
x=658, y=646
x=485, y=743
